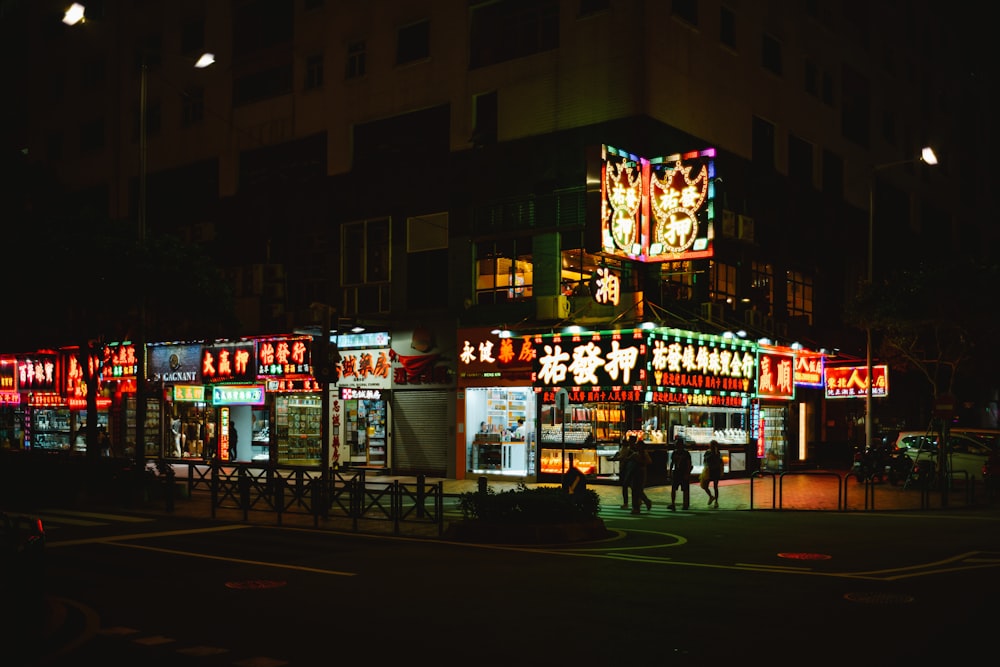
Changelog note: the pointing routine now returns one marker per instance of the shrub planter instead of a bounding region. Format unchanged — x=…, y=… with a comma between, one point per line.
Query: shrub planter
x=498, y=532
x=542, y=515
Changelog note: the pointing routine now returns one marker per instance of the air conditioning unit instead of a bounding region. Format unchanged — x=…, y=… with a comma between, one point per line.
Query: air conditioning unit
x=754, y=318
x=552, y=307
x=712, y=312
x=729, y=228
x=745, y=225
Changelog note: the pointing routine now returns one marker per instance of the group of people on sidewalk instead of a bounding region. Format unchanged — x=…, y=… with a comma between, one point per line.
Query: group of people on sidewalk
x=633, y=462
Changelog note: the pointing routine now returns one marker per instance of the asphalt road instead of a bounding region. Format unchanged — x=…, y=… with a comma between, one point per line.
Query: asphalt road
x=683, y=588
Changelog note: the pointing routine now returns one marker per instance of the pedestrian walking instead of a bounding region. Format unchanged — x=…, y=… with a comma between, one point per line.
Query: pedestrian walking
x=712, y=472
x=680, y=474
x=640, y=463
x=625, y=465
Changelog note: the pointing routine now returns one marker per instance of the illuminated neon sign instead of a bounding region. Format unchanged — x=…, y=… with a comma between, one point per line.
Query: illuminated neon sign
x=238, y=394
x=660, y=209
x=775, y=377
x=852, y=381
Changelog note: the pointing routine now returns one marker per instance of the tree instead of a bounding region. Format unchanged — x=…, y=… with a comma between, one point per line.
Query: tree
x=931, y=318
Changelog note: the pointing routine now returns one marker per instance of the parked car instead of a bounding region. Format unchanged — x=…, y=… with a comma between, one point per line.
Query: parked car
x=988, y=436
x=991, y=473
x=964, y=454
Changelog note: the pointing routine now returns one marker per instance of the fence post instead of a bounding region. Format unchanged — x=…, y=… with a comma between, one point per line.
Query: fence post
x=420, y=495
x=279, y=495
x=482, y=484
x=244, y=491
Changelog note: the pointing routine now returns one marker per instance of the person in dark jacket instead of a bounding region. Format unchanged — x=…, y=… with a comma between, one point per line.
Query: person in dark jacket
x=637, y=476
x=624, y=458
x=713, y=464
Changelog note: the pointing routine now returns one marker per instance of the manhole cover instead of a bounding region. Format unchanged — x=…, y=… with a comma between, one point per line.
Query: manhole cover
x=254, y=584
x=804, y=556
x=879, y=598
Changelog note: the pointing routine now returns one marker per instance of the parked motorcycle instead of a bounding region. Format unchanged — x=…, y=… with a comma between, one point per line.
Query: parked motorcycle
x=923, y=475
x=881, y=463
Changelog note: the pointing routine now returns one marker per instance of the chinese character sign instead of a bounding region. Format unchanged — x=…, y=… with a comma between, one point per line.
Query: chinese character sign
x=703, y=364
x=228, y=363
x=809, y=369
x=488, y=355
x=775, y=375
x=284, y=357
x=365, y=368
x=852, y=381
x=599, y=359
x=660, y=209
x=36, y=372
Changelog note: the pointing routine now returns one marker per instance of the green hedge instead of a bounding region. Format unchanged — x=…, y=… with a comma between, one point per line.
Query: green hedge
x=524, y=505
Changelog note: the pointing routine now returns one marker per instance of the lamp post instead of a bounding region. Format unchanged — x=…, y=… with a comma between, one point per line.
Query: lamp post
x=926, y=155
x=74, y=15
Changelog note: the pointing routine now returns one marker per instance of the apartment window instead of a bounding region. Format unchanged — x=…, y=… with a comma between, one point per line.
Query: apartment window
x=426, y=259
x=193, y=106
x=763, y=143
x=828, y=89
x=413, y=42
x=800, y=160
x=770, y=54
x=502, y=31
x=309, y=5
x=685, y=10
x=504, y=271
x=727, y=27
x=811, y=76
x=889, y=127
x=722, y=283
x=799, y=295
x=356, y=66
x=314, y=71
x=193, y=37
x=93, y=74
x=365, y=252
x=761, y=287
x=833, y=174
x=484, y=132
x=262, y=85
x=92, y=136
x=855, y=113
x=678, y=280
x=578, y=268
x=589, y=7
x=54, y=146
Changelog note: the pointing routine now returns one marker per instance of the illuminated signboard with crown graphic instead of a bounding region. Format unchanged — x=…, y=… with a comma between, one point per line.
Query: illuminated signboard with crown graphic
x=659, y=209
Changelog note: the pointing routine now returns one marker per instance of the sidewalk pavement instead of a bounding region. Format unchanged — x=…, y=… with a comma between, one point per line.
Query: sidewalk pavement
x=817, y=490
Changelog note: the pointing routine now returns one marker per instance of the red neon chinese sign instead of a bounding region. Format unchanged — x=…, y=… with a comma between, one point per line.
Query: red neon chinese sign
x=852, y=381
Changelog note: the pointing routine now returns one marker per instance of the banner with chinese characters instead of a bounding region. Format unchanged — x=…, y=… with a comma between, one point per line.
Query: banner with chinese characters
x=232, y=362
x=365, y=368
x=775, y=375
x=284, y=357
x=809, y=368
x=37, y=372
x=852, y=381
x=659, y=209
x=700, y=369
x=488, y=359
x=613, y=360
x=119, y=362
x=76, y=364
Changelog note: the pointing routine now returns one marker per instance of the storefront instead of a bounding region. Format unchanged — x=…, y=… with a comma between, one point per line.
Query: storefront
x=189, y=423
x=119, y=366
x=11, y=406
x=591, y=388
x=229, y=370
x=770, y=411
x=361, y=407
x=46, y=417
x=700, y=388
x=73, y=380
x=494, y=393
x=293, y=404
x=423, y=360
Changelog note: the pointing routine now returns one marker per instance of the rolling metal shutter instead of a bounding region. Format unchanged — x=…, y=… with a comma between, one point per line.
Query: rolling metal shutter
x=420, y=433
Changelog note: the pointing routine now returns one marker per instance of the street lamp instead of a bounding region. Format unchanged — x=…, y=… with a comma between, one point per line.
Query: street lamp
x=927, y=156
x=74, y=15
